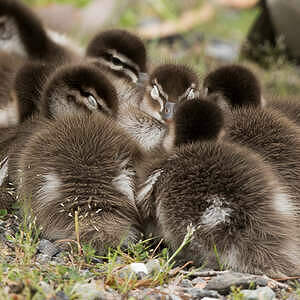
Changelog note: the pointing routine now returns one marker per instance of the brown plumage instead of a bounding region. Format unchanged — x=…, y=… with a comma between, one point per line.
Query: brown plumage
x=243, y=216
x=81, y=163
x=236, y=83
x=265, y=131
x=79, y=160
x=167, y=86
x=289, y=106
x=71, y=89
x=123, y=58
x=23, y=33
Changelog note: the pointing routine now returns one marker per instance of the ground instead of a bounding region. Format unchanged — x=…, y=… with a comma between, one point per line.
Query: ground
x=31, y=268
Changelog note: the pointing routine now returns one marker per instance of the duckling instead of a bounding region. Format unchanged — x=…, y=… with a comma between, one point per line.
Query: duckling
x=90, y=165
x=69, y=90
x=28, y=86
x=263, y=130
x=227, y=194
x=168, y=85
x=237, y=84
x=240, y=87
x=123, y=57
x=22, y=32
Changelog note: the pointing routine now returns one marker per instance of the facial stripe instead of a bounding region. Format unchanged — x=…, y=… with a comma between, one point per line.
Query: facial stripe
x=190, y=93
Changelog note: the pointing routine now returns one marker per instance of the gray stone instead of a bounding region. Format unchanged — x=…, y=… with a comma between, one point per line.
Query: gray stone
x=43, y=258
x=223, y=282
x=201, y=293
x=48, y=248
x=88, y=291
x=263, y=293
x=198, y=280
x=186, y=283
x=47, y=289
x=153, y=266
x=60, y=296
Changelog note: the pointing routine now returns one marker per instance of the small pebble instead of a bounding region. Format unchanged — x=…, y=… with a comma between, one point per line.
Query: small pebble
x=198, y=280
x=60, y=296
x=88, y=291
x=200, y=293
x=47, y=289
x=48, y=248
x=263, y=293
x=153, y=266
x=186, y=283
x=43, y=258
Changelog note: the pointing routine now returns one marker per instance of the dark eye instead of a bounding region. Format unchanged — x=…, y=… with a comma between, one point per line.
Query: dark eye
x=116, y=61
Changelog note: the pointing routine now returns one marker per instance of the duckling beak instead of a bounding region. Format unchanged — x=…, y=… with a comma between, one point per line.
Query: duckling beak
x=168, y=112
x=143, y=78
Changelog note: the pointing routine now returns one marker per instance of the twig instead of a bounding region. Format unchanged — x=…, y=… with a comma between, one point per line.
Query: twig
x=77, y=233
x=156, y=248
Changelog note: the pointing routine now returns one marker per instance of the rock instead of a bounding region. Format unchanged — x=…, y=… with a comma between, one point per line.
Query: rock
x=60, y=296
x=198, y=280
x=48, y=248
x=201, y=293
x=43, y=258
x=263, y=293
x=186, y=283
x=139, y=269
x=223, y=282
x=47, y=289
x=88, y=291
x=153, y=266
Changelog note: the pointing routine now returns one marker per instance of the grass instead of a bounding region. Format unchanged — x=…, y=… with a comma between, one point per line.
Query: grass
x=22, y=274
x=79, y=3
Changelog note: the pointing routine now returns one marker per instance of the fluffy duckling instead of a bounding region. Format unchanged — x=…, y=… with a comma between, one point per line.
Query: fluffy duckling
x=79, y=161
x=120, y=50
x=168, y=85
x=233, y=200
x=237, y=84
x=69, y=90
x=264, y=130
x=123, y=57
x=241, y=87
x=22, y=32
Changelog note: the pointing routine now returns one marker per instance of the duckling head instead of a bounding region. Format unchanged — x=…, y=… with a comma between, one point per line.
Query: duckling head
x=198, y=120
x=122, y=52
x=237, y=84
x=77, y=88
x=168, y=86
